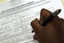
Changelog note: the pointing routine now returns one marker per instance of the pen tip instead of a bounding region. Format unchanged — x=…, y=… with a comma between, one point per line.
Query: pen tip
x=59, y=10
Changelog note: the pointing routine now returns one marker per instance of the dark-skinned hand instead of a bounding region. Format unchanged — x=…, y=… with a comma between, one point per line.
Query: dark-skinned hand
x=53, y=32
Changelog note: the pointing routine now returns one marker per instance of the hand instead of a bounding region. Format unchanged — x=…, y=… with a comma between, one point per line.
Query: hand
x=53, y=32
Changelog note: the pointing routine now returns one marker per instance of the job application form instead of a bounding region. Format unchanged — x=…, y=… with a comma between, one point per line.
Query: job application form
x=16, y=16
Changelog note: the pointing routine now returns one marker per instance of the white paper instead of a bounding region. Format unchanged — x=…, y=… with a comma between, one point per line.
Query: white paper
x=15, y=19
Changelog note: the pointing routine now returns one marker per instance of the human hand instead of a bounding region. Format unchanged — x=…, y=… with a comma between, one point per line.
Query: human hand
x=52, y=32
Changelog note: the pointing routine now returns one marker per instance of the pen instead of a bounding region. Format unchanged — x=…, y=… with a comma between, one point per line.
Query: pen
x=50, y=18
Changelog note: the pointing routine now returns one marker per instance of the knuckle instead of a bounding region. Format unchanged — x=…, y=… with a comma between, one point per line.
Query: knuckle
x=32, y=22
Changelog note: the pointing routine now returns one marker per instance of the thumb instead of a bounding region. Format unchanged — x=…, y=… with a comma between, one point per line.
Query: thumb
x=36, y=26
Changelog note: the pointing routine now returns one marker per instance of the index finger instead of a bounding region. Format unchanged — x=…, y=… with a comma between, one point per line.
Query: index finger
x=44, y=14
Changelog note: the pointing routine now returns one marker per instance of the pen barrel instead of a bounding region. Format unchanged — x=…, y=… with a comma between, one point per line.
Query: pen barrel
x=47, y=20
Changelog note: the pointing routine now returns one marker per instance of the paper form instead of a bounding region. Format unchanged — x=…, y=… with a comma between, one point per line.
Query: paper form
x=16, y=28
x=15, y=20
x=15, y=3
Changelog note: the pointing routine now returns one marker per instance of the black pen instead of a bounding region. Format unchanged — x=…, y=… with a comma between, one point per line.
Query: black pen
x=50, y=18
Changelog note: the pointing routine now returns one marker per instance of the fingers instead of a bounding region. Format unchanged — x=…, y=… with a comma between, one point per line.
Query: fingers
x=36, y=26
